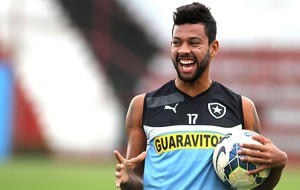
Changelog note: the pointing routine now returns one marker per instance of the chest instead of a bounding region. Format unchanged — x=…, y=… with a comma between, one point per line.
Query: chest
x=194, y=112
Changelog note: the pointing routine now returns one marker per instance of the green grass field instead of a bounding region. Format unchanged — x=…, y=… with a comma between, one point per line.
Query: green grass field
x=40, y=173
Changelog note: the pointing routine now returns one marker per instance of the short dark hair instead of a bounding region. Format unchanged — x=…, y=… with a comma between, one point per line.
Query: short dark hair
x=196, y=13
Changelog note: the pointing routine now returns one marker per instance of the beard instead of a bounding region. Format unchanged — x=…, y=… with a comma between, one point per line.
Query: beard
x=202, y=66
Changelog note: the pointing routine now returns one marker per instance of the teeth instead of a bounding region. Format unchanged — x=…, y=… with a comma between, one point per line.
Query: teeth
x=186, y=62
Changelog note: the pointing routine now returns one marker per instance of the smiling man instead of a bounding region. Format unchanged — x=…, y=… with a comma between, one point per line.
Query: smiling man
x=173, y=130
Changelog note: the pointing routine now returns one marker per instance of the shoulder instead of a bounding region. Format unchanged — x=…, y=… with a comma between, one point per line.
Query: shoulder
x=248, y=106
x=226, y=94
x=137, y=103
x=251, y=120
x=138, y=99
x=248, y=109
x=247, y=103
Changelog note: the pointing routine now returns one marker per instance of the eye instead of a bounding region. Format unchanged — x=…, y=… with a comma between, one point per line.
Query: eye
x=194, y=43
x=176, y=42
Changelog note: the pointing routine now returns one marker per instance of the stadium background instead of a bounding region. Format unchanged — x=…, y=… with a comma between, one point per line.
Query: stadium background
x=68, y=70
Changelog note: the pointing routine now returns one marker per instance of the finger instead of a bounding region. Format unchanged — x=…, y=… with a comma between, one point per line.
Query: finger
x=118, y=179
x=119, y=157
x=139, y=158
x=259, y=161
x=263, y=140
x=259, y=169
x=118, y=174
x=253, y=147
x=251, y=153
x=119, y=167
x=118, y=182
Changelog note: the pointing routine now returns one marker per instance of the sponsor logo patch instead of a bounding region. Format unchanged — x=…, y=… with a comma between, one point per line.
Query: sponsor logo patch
x=200, y=140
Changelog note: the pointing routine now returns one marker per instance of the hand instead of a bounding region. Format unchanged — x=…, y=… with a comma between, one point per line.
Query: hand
x=266, y=155
x=125, y=167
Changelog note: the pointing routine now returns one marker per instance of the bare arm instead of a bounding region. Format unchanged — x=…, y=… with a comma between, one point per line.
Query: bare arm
x=268, y=156
x=129, y=171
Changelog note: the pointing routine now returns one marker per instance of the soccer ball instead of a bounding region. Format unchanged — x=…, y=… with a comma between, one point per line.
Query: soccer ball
x=228, y=166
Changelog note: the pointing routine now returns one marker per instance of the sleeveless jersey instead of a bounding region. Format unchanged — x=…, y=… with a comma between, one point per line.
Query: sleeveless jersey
x=182, y=132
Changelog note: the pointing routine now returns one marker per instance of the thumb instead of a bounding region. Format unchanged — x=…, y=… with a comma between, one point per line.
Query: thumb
x=139, y=158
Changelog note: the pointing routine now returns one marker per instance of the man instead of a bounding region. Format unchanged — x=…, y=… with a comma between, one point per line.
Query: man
x=177, y=123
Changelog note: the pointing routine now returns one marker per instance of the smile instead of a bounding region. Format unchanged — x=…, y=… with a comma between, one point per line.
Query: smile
x=187, y=65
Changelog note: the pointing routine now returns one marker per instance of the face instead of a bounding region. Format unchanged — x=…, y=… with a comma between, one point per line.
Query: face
x=190, y=51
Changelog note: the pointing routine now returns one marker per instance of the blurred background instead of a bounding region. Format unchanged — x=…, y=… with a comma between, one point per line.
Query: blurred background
x=69, y=68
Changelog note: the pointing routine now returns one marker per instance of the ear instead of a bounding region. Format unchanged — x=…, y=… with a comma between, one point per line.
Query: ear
x=214, y=48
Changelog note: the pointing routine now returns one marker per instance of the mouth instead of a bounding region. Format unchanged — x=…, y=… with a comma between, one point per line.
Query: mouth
x=187, y=65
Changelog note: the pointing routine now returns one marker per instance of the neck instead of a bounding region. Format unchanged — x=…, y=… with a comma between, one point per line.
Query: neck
x=193, y=88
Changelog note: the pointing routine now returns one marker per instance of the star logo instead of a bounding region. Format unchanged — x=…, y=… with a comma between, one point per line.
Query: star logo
x=217, y=110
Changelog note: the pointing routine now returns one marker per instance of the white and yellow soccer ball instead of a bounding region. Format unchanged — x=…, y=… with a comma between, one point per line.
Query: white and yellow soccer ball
x=228, y=166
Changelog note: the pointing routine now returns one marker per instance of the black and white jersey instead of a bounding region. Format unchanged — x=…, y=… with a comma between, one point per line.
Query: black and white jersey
x=182, y=132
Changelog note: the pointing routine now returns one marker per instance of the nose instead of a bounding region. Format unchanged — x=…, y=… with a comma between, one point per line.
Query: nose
x=184, y=48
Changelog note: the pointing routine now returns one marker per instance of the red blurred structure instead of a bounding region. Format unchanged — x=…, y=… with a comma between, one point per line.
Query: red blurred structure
x=28, y=135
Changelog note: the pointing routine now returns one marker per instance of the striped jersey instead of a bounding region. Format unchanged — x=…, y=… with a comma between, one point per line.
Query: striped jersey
x=182, y=132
